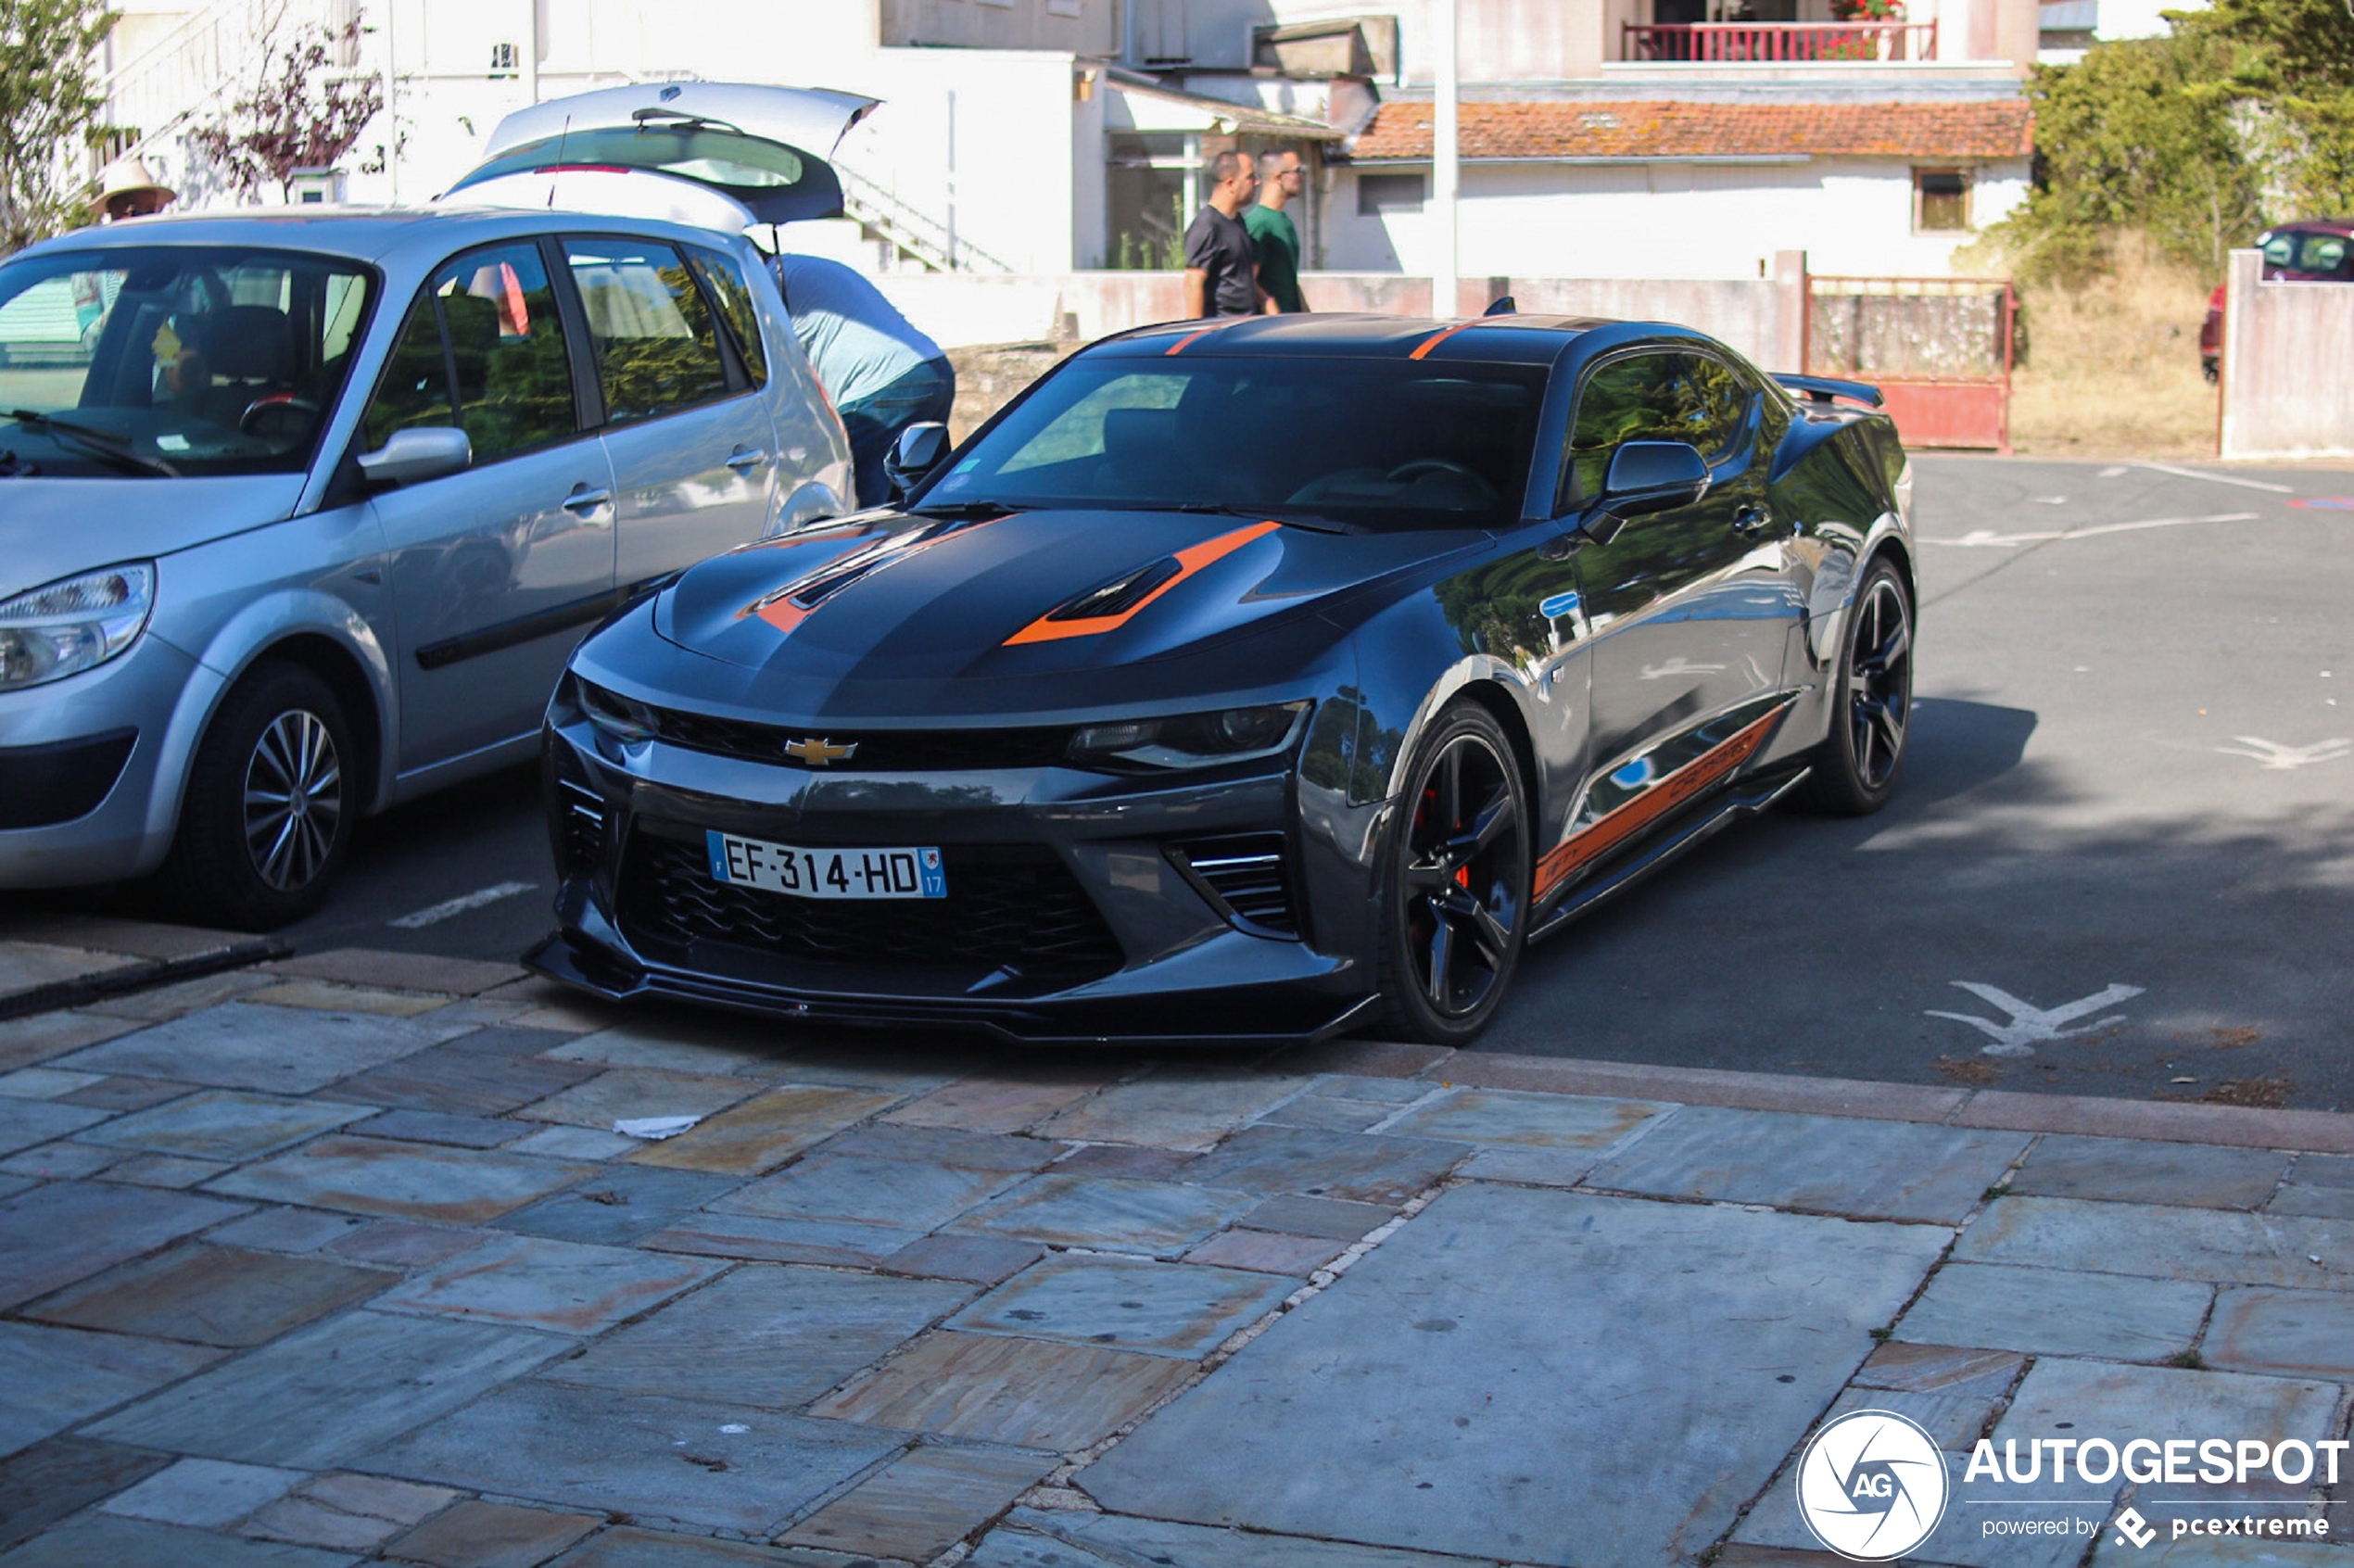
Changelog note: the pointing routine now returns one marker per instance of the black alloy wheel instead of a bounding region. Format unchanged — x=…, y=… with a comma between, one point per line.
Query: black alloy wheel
x=1457, y=902
x=1854, y=771
x=270, y=805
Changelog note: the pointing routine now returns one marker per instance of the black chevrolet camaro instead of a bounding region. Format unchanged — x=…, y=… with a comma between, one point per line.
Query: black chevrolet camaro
x=1266, y=679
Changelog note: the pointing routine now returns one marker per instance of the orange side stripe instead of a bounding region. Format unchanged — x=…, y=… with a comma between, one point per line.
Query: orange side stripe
x=1222, y=322
x=1189, y=561
x=1584, y=847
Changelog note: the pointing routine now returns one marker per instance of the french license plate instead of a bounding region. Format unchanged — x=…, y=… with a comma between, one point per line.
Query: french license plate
x=827, y=873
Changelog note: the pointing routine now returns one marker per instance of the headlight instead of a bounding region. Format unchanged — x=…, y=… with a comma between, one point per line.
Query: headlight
x=1193, y=739
x=74, y=623
x=625, y=719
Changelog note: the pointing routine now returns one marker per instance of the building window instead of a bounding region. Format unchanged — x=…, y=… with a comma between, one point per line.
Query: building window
x=503, y=60
x=1378, y=195
x=1941, y=201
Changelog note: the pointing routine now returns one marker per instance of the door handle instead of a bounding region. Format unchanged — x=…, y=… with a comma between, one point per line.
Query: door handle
x=1751, y=520
x=743, y=461
x=584, y=501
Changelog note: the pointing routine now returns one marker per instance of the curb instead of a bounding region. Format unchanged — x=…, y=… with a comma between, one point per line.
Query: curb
x=2304, y=1131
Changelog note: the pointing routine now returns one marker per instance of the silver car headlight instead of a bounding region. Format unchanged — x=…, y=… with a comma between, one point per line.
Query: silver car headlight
x=74, y=623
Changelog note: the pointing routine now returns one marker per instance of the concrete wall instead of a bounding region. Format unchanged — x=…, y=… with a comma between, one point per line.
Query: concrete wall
x=1760, y=317
x=2287, y=348
x=1685, y=221
x=1080, y=27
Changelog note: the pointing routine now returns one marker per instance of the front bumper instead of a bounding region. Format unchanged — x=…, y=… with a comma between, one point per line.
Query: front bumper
x=1079, y=924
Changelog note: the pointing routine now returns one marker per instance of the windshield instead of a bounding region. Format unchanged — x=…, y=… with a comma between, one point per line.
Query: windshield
x=193, y=360
x=2308, y=252
x=1385, y=444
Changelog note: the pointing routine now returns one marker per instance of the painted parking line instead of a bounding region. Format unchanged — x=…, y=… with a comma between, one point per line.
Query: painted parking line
x=433, y=915
x=1987, y=538
x=2219, y=478
x=2029, y=1023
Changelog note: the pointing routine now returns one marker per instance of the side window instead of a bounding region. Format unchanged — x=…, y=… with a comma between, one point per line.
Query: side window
x=1652, y=397
x=726, y=284
x=483, y=338
x=657, y=344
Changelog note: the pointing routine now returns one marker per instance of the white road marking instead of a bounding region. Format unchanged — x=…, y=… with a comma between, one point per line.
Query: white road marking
x=2113, y=472
x=2278, y=758
x=1987, y=538
x=2220, y=478
x=2029, y=1022
x=435, y=914
x=2049, y=500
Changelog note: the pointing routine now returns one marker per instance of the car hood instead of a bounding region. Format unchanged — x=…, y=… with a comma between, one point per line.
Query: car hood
x=898, y=598
x=52, y=528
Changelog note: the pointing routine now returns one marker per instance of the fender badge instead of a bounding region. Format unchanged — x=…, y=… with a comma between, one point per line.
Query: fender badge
x=817, y=754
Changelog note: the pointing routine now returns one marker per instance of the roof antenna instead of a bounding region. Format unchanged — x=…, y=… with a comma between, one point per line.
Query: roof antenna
x=562, y=137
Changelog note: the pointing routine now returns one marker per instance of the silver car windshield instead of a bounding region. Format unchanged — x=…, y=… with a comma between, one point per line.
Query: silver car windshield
x=191, y=359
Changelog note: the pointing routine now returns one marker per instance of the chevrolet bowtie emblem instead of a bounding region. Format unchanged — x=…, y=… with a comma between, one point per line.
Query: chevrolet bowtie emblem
x=818, y=753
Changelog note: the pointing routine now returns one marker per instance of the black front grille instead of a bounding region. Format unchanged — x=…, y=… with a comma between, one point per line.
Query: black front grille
x=1249, y=875
x=896, y=751
x=1013, y=908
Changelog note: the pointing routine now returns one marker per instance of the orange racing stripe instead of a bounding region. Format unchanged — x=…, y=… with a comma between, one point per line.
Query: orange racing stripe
x=1435, y=339
x=1592, y=842
x=1189, y=561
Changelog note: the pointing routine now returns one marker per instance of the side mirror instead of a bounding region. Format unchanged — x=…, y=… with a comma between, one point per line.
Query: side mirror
x=1648, y=476
x=411, y=457
x=915, y=455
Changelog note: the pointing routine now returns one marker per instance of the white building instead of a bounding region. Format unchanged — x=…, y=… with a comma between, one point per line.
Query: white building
x=1603, y=138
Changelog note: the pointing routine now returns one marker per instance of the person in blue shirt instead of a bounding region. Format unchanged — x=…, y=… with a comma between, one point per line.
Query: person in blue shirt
x=882, y=373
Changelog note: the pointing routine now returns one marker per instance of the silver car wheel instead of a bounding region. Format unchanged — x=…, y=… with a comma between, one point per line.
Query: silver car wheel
x=293, y=799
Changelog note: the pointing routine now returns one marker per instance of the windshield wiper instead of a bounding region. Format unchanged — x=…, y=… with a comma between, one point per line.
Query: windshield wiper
x=1260, y=514
x=965, y=508
x=108, y=445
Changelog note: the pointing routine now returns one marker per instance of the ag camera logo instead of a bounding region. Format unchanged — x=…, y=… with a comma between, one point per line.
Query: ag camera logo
x=1871, y=1486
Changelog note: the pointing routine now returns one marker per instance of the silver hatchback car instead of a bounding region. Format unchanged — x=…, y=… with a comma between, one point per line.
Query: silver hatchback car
x=301, y=511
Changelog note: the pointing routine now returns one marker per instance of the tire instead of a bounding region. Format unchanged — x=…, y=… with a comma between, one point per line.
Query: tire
x=1856, y=767
x=1455, y=881
x=243, y=857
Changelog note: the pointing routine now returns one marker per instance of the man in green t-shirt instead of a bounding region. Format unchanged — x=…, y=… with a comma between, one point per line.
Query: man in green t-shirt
x=1280, y=179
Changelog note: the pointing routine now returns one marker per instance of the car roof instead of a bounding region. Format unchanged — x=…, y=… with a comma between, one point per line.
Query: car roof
x=1502, y=339
x=2315, y=226
x=361, y=233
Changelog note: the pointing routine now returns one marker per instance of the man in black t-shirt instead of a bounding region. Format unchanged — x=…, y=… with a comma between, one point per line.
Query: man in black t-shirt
x=1221, y=268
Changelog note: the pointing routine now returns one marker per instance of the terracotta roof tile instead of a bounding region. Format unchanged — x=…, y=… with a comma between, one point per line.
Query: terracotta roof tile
x=1669, y=130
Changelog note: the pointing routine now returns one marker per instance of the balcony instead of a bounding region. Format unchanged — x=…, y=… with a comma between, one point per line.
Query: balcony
x=1779, y=42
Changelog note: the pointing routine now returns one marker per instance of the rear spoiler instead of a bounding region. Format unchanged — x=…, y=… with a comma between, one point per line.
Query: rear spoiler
x=1822, y=389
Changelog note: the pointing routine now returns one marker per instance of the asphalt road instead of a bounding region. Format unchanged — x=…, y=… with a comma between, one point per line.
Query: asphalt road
x=2129, y=770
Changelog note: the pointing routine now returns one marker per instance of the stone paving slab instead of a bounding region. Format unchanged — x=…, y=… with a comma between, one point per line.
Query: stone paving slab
x=766, y=1130
x=482, y=1074
x=209, y=1294
x=56, y=1479
x=2132, y=1170
x=227, y=1125
x=407, y=1180
x=205, y=1493
x=1037, y=1539
x=51, y=1378
x=1173, y=1108
x=27, y=965
x=1162, y=1308
x=26, y=1123
x=1884, y=1170
x=1266, y=1252
x=166, y=1002
x=278, y=1050
x=1024, y=1393
x=924, y=1503
x=489, y=1534
x=763, y=1238
x=1511, y=1401
x=139, y=1543
x=325, y=1393
x=697, y=1462
x=2182, y=1243
x=2285, y=1333
x=790, y=1333
x=632, y=1547
x=869, y=1191
x=1158, y=1217
x=632, y=1092
x=620, y=1205
x=2057, y=1312
x=985, y=1103
x=1518, y=1120
x=1362, y=1167
x=47, y=1035
x=563, y=1287
x=67, y=1231
x=441, y=1127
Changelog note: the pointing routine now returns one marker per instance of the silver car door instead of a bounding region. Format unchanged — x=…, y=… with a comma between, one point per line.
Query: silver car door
x=496, y=570
x=690, y=439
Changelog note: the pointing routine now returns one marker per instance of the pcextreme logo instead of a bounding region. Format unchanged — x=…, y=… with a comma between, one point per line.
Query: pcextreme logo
x=1871, y=1486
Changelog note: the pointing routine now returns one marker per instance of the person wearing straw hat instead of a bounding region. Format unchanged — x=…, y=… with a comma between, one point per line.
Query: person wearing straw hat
x=128, y=189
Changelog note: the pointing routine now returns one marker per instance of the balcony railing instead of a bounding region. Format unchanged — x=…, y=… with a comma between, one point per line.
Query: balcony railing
x=1779, y=42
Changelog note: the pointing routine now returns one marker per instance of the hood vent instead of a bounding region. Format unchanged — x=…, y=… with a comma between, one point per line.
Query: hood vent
x=1122, y=594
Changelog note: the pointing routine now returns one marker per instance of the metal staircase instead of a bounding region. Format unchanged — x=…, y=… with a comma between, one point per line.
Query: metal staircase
x=157, y=93
x=915, y=232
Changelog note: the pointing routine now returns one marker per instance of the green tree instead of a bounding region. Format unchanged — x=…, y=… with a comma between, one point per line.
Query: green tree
x=2243, y=114
x=49, y=113
x=305, y=112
